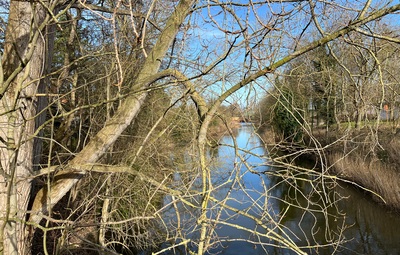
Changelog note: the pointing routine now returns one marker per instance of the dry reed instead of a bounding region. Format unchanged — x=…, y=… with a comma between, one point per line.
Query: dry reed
x=373, y=174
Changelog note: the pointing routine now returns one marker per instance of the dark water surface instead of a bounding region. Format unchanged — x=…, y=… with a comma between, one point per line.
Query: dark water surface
x=361, y=226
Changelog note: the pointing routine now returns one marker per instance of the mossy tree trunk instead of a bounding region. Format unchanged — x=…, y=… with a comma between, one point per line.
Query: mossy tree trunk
x=126, y=113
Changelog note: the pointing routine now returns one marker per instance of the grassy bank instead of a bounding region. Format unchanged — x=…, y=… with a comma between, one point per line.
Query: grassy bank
x=367, y=158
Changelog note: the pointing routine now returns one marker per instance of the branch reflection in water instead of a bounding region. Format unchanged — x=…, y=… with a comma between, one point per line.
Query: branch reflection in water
x=252, y=200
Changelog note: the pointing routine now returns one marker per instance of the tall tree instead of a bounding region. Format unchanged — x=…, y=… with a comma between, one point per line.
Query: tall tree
x=26, y=50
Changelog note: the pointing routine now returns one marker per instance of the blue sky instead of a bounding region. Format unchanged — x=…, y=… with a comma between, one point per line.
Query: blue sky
x=207, y=41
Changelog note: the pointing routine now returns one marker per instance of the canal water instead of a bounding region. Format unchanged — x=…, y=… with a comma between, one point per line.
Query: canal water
x=318, y=214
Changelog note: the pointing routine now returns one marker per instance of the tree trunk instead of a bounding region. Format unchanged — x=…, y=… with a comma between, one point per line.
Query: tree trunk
x=22, y=64
x=113, y=128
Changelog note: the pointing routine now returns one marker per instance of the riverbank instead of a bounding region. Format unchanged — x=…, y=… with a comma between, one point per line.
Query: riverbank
x=221, y=127
x=367, y=158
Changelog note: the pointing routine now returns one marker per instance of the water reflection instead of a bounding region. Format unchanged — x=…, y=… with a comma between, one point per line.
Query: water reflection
x=375, y=231
x=292, y=207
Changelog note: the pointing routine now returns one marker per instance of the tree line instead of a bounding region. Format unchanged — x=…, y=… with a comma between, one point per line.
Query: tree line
x=351, y=83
